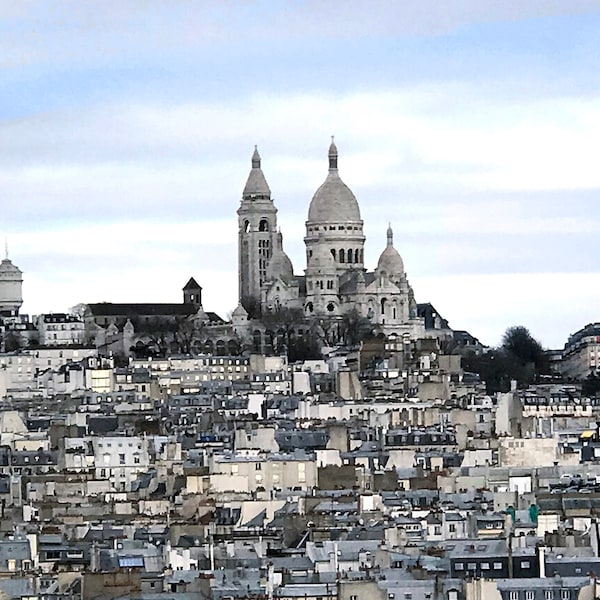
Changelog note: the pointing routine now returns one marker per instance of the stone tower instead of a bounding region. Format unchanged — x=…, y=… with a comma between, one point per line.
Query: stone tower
x=11, y=284
x=257, y=231
x=192, y=293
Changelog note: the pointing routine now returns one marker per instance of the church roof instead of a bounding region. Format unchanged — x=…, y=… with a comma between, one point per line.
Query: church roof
x=192, y=284
x=390, y=260
x=281, y=265
x=333, y=202
x=110, y=309
x=350, y=282
x=256, y=185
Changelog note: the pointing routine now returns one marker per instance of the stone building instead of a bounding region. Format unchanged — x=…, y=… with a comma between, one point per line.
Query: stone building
x=581, y=354
x=335, y=282
x=11, y=283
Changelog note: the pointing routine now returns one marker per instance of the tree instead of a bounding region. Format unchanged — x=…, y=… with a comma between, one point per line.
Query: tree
x=13, y=342
x=354, y=328
x=520, y=357
x=591, y=385
x=520, y=344
x=280, y=326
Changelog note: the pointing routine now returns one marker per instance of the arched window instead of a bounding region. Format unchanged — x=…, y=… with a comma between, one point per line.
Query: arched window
x=333, y=253
x=349, y=255
x=208, y=347
x=309, y=307
x=356, y=256
x=246, y=226
x=331, y=307
x=383, y=301
x=342, y=255
x=362, y=259
x=263, y=225
x=221, y=348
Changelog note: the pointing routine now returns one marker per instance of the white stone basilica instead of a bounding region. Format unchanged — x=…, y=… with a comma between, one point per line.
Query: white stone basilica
x=335, y=282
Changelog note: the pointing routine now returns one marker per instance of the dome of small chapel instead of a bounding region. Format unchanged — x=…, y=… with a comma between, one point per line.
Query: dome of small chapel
x=390, y=260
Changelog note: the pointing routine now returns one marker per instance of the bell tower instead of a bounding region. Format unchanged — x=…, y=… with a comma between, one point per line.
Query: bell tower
x=257, y=233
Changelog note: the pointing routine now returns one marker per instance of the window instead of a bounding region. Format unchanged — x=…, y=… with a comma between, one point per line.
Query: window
x=471, y=566
x=529, y=595
x=258, y=466
x=514, y=595
x=497, y=566
x=485, y=566
x=549, y=595
x=459, y=566
x=121, y=459
x=565, y=595
x=525, y=564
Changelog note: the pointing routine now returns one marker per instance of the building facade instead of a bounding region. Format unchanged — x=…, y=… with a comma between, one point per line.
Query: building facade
x=335, y=282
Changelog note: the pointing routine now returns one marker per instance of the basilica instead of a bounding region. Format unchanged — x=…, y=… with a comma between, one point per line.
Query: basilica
x=335, y=281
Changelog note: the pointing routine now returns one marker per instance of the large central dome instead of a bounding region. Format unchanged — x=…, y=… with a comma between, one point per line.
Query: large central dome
x=333, y=202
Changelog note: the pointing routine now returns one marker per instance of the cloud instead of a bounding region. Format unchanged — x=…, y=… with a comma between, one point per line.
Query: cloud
x=551, y=305
x=100, y=32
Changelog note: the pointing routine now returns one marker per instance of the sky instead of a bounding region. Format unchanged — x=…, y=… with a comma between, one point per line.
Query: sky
x=472, y=126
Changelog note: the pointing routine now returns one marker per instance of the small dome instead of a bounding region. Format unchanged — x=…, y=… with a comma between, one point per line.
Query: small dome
x=239, y=311
x=256, y=185
x=7, y=267
x=281, y=265
x=390, y=260
x=333, y=202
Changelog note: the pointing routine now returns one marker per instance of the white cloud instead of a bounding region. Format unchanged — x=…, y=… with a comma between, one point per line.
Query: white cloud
x=551, y=305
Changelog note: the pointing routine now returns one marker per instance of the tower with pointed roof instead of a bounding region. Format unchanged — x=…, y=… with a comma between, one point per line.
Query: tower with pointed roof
x=257, y=229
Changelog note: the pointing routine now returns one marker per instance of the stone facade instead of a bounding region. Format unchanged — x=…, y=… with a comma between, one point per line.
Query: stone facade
x=335, y=282
x=11, y=284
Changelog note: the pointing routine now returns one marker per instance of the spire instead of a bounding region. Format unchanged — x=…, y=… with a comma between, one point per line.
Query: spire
x=256, y=159
x=256, y=185
x=390, y=235
x=6, y=248
x=333, y=156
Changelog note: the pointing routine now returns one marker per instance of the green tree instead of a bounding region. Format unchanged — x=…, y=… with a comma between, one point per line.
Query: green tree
x=591, y=385
x=354, y=328
x=520, y=344
x=520, y=357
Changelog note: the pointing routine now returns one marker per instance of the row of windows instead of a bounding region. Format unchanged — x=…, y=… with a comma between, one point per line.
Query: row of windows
x=320, y=284
x=548, y=595
x=263, y=226
x=352, y=255
x=309, y=308
x=334, y=227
